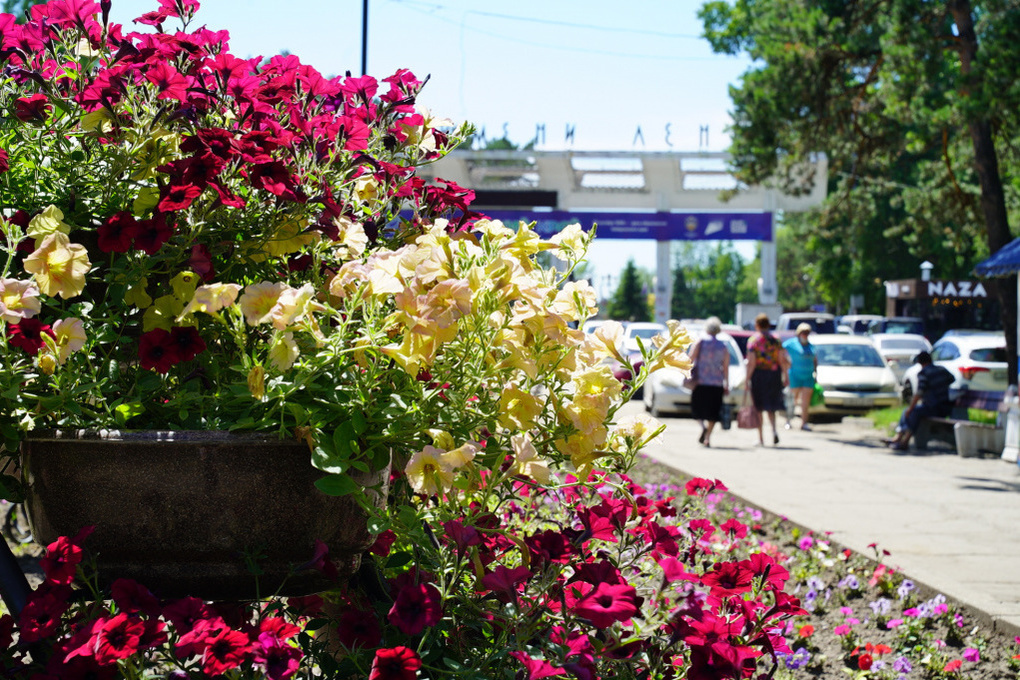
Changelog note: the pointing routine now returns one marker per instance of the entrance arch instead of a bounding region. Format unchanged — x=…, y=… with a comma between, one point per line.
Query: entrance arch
x=662, y=196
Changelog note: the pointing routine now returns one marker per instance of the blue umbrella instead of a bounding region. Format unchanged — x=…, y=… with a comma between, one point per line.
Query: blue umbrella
x=1003, y=262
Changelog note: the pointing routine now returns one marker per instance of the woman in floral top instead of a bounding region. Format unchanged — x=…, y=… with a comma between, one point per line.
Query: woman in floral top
x=767, y=366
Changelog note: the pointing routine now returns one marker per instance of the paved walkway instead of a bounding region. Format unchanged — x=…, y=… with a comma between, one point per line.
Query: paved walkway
x=949, y=522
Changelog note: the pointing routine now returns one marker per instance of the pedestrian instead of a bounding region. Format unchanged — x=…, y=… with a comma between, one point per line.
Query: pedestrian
x=803, y=369
x=930, y=400
x=711, y=359
x=767, y=366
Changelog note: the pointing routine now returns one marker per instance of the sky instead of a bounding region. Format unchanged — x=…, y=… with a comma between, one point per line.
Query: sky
x=604, y=69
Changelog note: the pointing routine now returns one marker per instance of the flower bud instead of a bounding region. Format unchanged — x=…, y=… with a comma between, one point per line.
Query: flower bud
x=257, y=382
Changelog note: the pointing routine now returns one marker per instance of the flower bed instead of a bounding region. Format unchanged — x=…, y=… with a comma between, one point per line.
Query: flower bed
x=865, y=619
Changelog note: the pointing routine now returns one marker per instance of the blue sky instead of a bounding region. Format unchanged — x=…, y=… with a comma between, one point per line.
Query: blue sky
x=603, y=68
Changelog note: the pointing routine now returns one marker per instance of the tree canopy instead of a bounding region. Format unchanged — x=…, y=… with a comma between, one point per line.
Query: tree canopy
x=915, y=105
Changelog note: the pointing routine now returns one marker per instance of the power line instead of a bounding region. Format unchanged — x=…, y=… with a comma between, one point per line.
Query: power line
x=463, y=26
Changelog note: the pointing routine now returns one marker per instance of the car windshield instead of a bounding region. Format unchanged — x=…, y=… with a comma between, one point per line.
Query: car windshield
x=904, y=327
x=902, y=343
x=989, y=354
x=644, y=333
x=824, y=325
x=848, y=355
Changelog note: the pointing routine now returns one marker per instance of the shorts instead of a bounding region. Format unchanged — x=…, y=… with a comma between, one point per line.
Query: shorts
x=799, y=380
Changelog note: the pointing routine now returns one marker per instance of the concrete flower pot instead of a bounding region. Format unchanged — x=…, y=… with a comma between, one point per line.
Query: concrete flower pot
x=178, y=511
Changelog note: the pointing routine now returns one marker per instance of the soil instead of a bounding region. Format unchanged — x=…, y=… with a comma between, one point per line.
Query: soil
x=829, y=660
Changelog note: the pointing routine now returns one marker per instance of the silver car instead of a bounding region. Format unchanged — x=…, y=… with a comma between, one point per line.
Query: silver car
x=854, y=377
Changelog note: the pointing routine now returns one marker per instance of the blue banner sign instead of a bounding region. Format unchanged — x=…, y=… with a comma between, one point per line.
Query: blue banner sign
x=692, y=226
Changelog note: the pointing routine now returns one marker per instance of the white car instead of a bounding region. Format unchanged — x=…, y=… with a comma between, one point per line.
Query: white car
x=854, y=377
x=899, y=350
x=646, y=330
x=664, y=391
x=976, y=359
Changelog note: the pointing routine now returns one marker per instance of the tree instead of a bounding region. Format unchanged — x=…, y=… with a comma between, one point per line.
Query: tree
x=630, y=301
x=913, y=116
x=680, y=306
x=715, y=280
x=18, y=7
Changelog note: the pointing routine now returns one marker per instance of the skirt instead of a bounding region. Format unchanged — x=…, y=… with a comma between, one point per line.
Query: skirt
x=767, y=391
x=706, y=402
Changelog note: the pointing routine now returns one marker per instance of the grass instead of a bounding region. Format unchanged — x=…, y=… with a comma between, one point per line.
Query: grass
x=886, y=419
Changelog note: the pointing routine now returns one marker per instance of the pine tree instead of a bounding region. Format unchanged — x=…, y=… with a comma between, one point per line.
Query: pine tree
x=629, y=303
x=679, y=301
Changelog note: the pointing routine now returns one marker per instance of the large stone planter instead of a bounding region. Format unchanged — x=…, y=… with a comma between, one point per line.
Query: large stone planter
x=178, y=511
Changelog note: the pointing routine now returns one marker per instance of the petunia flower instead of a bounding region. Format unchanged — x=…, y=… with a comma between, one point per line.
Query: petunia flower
x=428, y=473
x=18, y=300
x=395, y=663
x=415, y=607
x=59, y=266
x=69, y=337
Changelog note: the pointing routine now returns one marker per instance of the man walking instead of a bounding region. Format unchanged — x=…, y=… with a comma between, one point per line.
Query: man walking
x=930, y=400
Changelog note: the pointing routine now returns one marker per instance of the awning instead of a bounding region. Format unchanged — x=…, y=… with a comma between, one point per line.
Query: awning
x=1004, y=262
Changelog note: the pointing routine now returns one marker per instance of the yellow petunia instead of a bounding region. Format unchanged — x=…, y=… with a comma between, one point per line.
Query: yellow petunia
x=427, y=473
x=18, y=300
x=258, y=301
x=69, y=337
x=49, y=221
x=212, y=298
x=59, y=266
x=283, y=351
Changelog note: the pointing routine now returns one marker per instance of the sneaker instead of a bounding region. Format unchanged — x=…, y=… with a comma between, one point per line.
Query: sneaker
x=895, y=446
x=775, y=439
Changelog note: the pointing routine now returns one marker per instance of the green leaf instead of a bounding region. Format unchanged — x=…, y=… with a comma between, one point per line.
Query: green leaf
x=337, y=485
x=398, y=560
x=358, y=422
x=327, y=462
x=377, y=525
x=342, y=437
x=11, y=489
x=125, y=412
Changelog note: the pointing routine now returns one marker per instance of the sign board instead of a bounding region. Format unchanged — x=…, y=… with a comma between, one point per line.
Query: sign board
x=659, y=226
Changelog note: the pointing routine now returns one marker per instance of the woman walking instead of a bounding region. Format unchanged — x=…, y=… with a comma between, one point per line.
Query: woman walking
x=803, y=368
x=711, y=360
x=767, y=366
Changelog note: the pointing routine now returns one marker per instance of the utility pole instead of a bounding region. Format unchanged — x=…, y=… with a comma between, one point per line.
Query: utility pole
x=364, y=37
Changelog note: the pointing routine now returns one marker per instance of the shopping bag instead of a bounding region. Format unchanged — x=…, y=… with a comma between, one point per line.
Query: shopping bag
x=817, y=395
x=692, y=381
x=726, y=415
x=748, y=418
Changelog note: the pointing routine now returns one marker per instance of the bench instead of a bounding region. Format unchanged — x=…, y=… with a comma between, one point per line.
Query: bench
x=970, y=438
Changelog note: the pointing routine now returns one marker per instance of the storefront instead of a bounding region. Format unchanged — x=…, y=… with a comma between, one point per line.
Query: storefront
x=945, y=305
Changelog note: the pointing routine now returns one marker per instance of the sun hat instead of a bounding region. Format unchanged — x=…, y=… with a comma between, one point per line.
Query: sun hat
x=804, y=328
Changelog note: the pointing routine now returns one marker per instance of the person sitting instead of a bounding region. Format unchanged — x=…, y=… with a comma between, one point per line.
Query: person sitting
x=931, y=399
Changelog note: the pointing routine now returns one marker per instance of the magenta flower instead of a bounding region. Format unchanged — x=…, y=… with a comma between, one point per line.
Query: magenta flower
x=416, y=607
x=396, y=663
x=603, y=604
x=841, y=630
x=971, y=654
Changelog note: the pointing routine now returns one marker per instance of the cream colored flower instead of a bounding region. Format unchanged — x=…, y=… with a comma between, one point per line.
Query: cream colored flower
x=18, y=300
x=351, y=237
x=427, y=473
x=259, y=300
x=293, y=305
x=59, y=266
x=610, y=335
x=518, y=410
x=570, y=243
x=283, y=351
x=636, y=430
x=366, y=188
x=69, y=337
x=212, y=298
x=577, y=300
x=460, y=456
x=526, y=460
x=49, y=221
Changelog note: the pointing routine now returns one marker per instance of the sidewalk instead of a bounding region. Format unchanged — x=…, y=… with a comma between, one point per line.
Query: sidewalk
x=948, y=522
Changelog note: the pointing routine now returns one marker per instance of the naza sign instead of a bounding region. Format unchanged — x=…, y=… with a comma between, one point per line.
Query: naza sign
x=956, y=289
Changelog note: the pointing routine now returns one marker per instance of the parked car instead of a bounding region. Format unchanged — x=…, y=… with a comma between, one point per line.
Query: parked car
x=857, y=324
x=854, y=377
x=899, y=350
x=897, y=324
x=664, y=391
x=819, y=322
x=977, y=360
x=646, y=330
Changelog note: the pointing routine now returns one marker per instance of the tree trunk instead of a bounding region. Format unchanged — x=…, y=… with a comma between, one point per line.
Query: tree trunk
x=986, y=164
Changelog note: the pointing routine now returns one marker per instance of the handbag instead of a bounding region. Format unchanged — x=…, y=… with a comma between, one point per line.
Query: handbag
x=748, y=417
x=726, y=415
x=817, y=395
x=691, y=381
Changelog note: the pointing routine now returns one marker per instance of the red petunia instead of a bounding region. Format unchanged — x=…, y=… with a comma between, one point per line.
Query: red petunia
x=278, y=659
x=118, y=638
x=604, y=604
x=63, y=557
x=170, y=83
x=187, y=342
x=383, y=543
x=32, y=109
x=729, y=578
x=40, y=617
x=5, y=161
x=702, y=487
x=864, y=662
x=178, y=197
x=28, y=335
x=395, y=663
x=357, y=628
x=158, y=351
x=416, y=606
x=132, y=597
x=153, y=233
x=118, y=232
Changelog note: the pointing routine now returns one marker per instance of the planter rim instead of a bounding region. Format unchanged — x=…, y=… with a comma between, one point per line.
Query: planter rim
x=156, y=436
